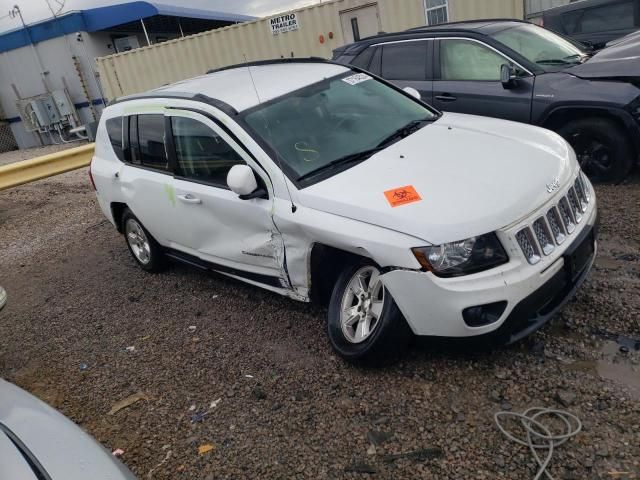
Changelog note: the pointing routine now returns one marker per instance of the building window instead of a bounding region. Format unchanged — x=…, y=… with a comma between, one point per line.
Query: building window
x=355, y=29
x=436, y=11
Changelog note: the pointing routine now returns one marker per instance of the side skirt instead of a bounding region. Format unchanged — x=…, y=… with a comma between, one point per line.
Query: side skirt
x=254, y=278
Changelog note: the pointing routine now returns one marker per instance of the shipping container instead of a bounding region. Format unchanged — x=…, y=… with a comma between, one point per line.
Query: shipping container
x=312, y=31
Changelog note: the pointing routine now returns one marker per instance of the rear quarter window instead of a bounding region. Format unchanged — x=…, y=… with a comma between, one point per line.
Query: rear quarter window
x=114, y=131
x=364, y=59
x=405, y=61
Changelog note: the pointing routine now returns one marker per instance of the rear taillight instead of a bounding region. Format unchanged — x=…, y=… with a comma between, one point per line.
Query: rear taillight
x=93, y=184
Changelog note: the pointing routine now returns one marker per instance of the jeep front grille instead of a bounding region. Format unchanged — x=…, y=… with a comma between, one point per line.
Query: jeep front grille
x=575, y=206
x=566, y=215
x=541, y=237
x=528, y=245
x=553, y=217
x=582, y=194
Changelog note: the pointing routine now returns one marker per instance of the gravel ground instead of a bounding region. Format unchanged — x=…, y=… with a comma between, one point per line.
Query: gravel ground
x=280, y=404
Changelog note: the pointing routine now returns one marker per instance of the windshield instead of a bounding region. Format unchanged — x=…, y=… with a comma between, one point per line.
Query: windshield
x=541, y=46
x=334, y=123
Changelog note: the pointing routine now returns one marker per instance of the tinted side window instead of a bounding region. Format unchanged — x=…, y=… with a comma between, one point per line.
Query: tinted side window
x=364, y=59
x=376, y=61
x=405, y=61
x=609, y=17
x=114, y=130
x=571, y=21
x=151, y=141
x=201, y=153
x=465, y=60
x=133, y=151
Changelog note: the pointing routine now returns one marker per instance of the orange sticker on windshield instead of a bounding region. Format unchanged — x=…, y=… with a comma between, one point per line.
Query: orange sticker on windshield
x=402, y=196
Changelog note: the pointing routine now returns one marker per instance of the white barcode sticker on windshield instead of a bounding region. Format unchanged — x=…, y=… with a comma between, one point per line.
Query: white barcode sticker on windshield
x=357, y=78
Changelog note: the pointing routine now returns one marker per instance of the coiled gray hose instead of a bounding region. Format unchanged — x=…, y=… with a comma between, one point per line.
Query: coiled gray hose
x=539, y=435
x=3, y=297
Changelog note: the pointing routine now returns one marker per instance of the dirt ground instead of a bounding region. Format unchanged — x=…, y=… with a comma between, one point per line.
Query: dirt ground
x=250, y=373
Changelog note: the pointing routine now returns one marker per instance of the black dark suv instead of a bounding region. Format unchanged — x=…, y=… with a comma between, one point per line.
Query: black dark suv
x=519, y=71
x=594, y=22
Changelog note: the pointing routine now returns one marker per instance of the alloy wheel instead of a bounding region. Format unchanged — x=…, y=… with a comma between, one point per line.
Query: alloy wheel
x=594, y=155
x=362, y=304
x=138, y=241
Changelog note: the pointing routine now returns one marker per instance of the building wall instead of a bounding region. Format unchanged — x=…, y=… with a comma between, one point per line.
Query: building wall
x=149, y=67
x=535, y=7
x=475, y=9
x=19, y=68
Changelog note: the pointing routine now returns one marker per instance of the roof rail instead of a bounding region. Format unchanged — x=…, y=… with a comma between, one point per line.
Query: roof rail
x=258, y=63
x=460, y=22
x=196, y=97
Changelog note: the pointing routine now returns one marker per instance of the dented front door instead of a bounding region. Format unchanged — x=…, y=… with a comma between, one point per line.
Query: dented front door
x=209, y=220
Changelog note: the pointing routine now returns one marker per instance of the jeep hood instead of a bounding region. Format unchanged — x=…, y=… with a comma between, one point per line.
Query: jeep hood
x=473, y=174
x=620, y=60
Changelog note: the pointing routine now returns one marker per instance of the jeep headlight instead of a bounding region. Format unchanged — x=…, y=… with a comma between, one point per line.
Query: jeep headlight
x=468, y=256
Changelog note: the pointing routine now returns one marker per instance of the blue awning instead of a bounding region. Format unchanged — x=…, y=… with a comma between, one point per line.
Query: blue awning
x=103, y=18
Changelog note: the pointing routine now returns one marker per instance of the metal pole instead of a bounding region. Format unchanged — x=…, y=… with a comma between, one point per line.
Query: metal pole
x=180, y=26
x=145, y=32
x=16, y=11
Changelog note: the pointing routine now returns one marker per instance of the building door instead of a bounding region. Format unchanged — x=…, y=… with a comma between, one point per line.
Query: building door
x=361, y=22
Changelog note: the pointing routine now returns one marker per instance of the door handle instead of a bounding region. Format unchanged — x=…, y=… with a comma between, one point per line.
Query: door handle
x=446, y=97
x=188, y=198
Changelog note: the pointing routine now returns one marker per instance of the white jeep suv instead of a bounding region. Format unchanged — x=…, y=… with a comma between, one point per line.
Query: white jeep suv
x=320, y=181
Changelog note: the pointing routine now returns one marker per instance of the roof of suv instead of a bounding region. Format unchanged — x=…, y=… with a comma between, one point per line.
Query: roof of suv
x=468, y=24
x=234, y=88
x=477, y=27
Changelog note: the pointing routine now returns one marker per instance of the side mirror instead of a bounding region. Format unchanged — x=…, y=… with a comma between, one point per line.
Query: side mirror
x=589, y=46
x=508, y=76
x=242, y=180
x=413, y=92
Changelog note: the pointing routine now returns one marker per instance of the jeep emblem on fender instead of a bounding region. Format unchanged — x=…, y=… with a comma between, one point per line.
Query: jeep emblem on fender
x=553, y=186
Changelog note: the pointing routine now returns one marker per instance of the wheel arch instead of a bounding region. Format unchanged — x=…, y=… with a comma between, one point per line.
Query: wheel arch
x=117, y=211
x=325, y=265
x=561, y=115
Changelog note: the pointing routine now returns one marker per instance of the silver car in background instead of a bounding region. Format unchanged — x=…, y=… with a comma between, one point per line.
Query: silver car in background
x=39, y=443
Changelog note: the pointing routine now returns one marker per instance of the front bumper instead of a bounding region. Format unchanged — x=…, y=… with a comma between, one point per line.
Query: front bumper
x=433, y=306
x=542, y=305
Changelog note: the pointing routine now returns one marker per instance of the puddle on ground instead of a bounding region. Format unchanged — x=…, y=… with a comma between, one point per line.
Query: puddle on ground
x=615, y=365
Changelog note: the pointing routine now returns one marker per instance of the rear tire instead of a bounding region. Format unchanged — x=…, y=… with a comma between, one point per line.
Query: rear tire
x=144, y=249
x=364, y=324
x=602, y=147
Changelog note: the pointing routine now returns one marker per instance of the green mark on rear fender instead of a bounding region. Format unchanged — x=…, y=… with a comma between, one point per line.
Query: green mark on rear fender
x=171, y=193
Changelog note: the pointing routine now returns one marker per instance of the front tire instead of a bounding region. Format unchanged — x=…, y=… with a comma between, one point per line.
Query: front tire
x=364, y=323
x=602, y=147
x=144, y=249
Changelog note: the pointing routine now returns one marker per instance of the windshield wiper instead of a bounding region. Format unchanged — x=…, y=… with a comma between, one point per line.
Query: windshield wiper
x=358, y=157
x=559, y=61
x=404, y=131
x=346, y=160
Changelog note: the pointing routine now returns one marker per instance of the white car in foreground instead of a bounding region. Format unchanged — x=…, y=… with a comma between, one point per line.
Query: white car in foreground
x=39, y=443
x=319, y=181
